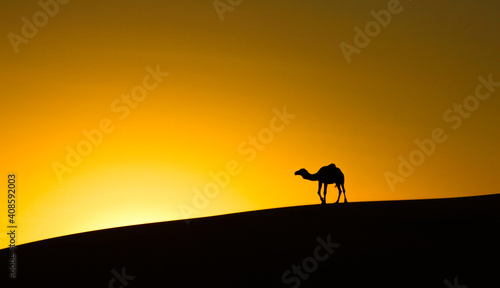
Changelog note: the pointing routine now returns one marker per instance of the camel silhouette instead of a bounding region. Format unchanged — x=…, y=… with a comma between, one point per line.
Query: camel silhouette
x=326, y=175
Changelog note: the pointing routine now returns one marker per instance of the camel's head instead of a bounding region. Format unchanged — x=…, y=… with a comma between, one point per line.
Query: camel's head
x=301, y=172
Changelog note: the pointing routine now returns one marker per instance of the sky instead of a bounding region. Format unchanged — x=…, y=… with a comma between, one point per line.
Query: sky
x=117, y=113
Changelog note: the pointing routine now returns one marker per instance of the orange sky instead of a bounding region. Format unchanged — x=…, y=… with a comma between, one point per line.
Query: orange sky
x=230, y=73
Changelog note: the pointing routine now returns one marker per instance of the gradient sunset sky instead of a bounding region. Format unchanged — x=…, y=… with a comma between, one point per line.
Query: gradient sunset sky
x=232, y=75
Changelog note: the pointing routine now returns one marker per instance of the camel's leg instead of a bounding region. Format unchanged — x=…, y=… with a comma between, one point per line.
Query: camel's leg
x=345, y=198
x=319, y=192
x=340, y=192
x=324, y=194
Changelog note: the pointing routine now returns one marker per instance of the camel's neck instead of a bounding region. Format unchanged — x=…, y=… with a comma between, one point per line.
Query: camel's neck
x=309, y=176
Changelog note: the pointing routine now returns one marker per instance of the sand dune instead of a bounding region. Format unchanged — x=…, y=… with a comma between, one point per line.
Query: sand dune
x=418, y=243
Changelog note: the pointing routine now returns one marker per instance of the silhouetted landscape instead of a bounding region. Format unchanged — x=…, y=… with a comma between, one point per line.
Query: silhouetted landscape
x=414, y=243
x=131, y=129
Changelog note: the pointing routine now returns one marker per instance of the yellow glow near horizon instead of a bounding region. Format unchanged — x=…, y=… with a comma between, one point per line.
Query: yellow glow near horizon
x=218, y=105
